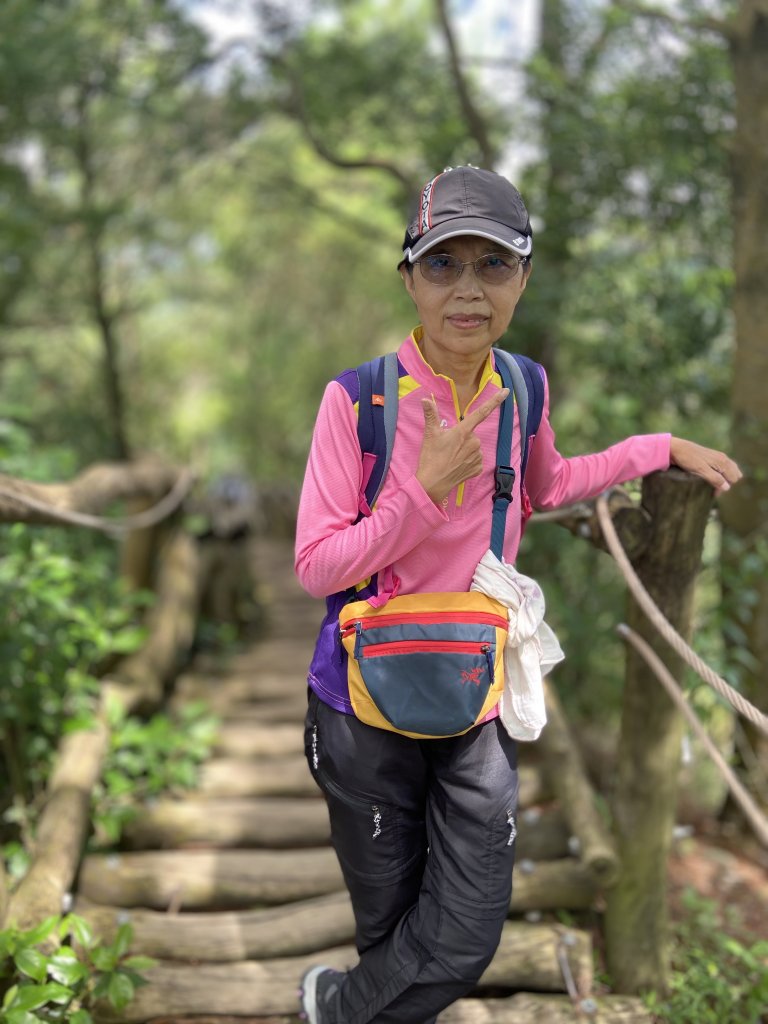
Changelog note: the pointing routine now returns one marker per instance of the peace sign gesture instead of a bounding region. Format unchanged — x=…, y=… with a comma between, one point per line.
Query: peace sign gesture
x=451, y=455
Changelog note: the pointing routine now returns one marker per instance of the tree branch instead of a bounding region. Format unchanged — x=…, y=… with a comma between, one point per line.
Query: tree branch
x=704, y=23
x=298, y=108
x=474, y=119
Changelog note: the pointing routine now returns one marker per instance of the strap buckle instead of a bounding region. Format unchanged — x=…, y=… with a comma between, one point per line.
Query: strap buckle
x=505, y=481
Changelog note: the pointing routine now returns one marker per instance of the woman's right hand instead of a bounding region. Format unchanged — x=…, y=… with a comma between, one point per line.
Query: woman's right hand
x=451, y=455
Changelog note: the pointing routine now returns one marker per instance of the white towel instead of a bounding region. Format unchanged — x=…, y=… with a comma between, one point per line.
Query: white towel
x=532, y=649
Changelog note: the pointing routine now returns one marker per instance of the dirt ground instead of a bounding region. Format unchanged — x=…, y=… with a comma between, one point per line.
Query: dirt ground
x=735, y=879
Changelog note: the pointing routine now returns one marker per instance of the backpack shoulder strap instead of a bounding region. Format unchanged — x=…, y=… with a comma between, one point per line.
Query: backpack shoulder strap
x=377, y=421
x=525, y=381
x=528, y=386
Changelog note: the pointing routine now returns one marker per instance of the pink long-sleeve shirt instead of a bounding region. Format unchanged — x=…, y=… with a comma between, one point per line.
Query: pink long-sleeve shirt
x=428, y=547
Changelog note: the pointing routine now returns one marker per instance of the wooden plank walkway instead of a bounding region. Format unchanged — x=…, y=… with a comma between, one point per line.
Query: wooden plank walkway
x=235, y=889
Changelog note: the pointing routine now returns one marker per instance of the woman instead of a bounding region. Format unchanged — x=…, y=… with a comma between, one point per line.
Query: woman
x=424, y=829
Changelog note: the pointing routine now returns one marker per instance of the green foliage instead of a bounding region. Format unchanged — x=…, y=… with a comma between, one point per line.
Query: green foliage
x=147, y=759
x=716, y=979
x=62, y=617
x=69, y=975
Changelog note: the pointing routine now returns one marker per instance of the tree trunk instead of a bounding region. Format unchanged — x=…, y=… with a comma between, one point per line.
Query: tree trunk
x=651, y=733
x=745, y=508
x=96, y=285
x=477, y=128
x=565, y=770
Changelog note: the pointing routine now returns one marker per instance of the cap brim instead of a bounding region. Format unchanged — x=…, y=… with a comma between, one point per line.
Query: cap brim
x=517, y=242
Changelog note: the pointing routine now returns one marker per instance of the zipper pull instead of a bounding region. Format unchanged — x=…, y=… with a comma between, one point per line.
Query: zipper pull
x=358, y=638
x=487, y=651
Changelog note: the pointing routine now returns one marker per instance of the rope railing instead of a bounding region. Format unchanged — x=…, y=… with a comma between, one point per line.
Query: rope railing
x=667, y=630
x=750, y=808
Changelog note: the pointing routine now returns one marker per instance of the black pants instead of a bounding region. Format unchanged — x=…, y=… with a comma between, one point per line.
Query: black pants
x=424, y=831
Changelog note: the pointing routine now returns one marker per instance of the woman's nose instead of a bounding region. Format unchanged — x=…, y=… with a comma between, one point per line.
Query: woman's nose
x=468, y=282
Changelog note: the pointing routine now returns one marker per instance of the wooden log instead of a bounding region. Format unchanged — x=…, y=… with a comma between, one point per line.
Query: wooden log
x=565, y=884
x=267, y=822
x=236, y=879
x=235, y=740
x=521, y=1008
x=526, y=954
x=62, y=828
x=542, y=834
x=289, y=929
x=251, y=988
x=138, y=550
x=267, y=712
x=92, y=491
x=291, y=822
x=201, y=879
x=633, y=524
x=238, y=687
x=236, y=776
x=139, y=680
x=645, y=798
x=568, y=779
x=534, y=1008
x=289, y=775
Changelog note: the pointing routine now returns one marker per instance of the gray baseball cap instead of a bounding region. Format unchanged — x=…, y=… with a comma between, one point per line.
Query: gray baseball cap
x=468, y=201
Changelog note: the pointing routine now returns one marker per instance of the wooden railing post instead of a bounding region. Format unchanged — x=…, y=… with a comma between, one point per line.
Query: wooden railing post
x=651, y=733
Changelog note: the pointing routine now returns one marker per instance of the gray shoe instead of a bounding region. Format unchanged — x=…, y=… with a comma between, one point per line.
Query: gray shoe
x=319, y=987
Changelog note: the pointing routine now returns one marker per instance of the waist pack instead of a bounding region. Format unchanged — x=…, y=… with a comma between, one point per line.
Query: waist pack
x=431, y=665
x=425, y=665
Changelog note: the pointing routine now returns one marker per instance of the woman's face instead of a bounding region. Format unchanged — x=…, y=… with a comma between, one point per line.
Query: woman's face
x=464, y=319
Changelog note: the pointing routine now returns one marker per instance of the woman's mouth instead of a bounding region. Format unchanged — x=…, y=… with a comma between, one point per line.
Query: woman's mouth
x=465, y=321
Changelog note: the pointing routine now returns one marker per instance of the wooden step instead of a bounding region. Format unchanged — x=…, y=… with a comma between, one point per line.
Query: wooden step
x=288, y=776
x=203, y=879
x=241, y=879
x=253, y=740
x=271, y=822
x=527, y=955
x=534, y=1008
x=275, y=823
x=291, y=929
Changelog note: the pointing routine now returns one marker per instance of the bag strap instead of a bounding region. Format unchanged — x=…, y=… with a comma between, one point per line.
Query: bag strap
x=377, y=418
x=526, y=388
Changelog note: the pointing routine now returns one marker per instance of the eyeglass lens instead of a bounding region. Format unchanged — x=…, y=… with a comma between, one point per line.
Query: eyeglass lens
x=493, y=268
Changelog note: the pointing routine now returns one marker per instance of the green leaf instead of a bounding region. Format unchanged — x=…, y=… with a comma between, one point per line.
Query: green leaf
x=104, y=959
x=66, y=968
x=20, y=1017
x=41, y=932
x=81, y=931
x=140, y=963
x=10, y=995
x=121, y=990
x=81, y=1017
x=32, y=963
x=57, y=993
x=30, y=997
x=122, y=942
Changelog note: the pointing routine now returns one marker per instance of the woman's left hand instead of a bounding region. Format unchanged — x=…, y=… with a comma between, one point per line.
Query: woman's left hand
x=715, y=467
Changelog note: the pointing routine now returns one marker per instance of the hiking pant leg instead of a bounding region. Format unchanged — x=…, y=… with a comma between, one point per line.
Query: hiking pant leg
x=443, y=941
x=375, y=786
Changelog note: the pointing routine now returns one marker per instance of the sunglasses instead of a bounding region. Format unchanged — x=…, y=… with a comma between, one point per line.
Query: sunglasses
x=493, y=268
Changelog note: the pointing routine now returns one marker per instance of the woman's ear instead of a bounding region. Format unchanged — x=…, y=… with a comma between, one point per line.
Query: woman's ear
x=407, y=276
